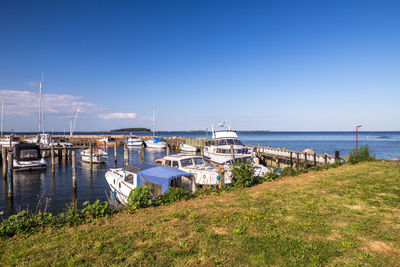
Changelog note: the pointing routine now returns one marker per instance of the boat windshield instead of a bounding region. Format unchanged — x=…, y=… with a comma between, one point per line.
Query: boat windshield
x=237, y=142
x=129, y=178
x=186, y=162
x=198, y=161
x=28, y=154
x=221, y=142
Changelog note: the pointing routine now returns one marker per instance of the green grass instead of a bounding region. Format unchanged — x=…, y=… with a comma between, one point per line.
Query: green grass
x=344, y=216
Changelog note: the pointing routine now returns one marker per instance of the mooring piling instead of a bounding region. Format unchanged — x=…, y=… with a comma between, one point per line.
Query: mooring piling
x=4, y=159
x=167, y=150
x=10, y=174
x=115, y=152
x=126, y=155
x=74, y=184
x=91, y=155
x=53, y=169
x=142, y=153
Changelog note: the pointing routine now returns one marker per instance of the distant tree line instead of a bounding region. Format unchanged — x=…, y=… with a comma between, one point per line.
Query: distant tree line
x=142, y=130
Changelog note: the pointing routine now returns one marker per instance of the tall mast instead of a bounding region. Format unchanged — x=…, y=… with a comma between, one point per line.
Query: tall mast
x=73, y=126
x=2, y=116
x=154, y=123
x=41, y=105
x=40, y=108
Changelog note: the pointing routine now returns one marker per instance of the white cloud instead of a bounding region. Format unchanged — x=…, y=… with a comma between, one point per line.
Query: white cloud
x=26, y=103
x=117, y=115
x=32, y=83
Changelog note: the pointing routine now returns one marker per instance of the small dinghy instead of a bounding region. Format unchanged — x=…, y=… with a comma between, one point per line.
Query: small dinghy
x=27, y=157
x=99, y=156
x=188, y=148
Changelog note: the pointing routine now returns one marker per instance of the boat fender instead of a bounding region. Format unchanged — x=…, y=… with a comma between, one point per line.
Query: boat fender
x=114, y=194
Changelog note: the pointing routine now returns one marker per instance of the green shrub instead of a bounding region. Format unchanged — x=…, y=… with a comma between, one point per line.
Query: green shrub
x=174, y=194
x=364, y=154
x=271, y=176
x=26, y=222
x=140, y=197
x=243, y=174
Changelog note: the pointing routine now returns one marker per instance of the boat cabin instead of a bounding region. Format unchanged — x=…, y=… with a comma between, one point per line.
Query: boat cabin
x=27, y=152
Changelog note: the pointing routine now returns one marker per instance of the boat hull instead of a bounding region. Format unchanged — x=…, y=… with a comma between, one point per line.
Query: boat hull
x=36, y=165
x=160, y=145
x=134, y=143
x=100, y=144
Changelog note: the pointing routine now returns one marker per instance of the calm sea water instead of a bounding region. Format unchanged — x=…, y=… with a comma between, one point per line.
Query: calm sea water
x=31, y=189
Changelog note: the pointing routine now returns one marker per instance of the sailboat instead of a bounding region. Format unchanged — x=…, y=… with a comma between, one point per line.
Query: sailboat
x=156, y=142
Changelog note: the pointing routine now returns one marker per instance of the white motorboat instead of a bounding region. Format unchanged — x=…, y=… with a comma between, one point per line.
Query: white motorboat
x=225, y=145
x=156, y=142
x=134, y=141
x=98, y=156
x=61, y=142
x=27, y=157
x=205, y=174
x=159, y=178
x=9, y=140
x=188, y=148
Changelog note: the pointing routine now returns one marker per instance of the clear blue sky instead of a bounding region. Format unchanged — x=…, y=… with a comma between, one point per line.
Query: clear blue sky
x=278, y=65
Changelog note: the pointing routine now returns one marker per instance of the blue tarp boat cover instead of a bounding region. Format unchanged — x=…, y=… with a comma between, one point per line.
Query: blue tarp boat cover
x=158, y=139
x=161, y=175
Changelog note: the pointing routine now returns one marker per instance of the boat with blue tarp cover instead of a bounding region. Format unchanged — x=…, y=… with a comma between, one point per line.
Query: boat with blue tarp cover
x=159, y=178
x=156, y=142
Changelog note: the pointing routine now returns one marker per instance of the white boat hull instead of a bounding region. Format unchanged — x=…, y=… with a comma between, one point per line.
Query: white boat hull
x=120, y=189
x=98, y=156
x=95, y=159
x=188, y=148
x=29, y=165
x=220, y=158
x=134, y=143
x=159, y=145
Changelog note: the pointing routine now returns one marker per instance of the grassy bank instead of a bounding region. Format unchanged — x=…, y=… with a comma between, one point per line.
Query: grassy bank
x=348, y=215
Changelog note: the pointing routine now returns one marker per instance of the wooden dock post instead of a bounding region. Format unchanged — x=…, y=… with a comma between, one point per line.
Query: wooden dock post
x=53, y=169
x=291, y=159
x=259, y=150
x=298, y=160
x=10, y=160
x=315, y=159
x=142, y=153
x=74, y=184
x=91, y=155
x=105, y=146
x=167, y=150
x=115, y=152
x=4, y=156
x=326, y=158
x=231, y=151
x=337, y=156
x=126, y=155
x=59, y=152
x=305, y=160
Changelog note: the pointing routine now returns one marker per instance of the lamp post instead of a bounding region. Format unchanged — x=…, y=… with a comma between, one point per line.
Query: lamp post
x=358, y=126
